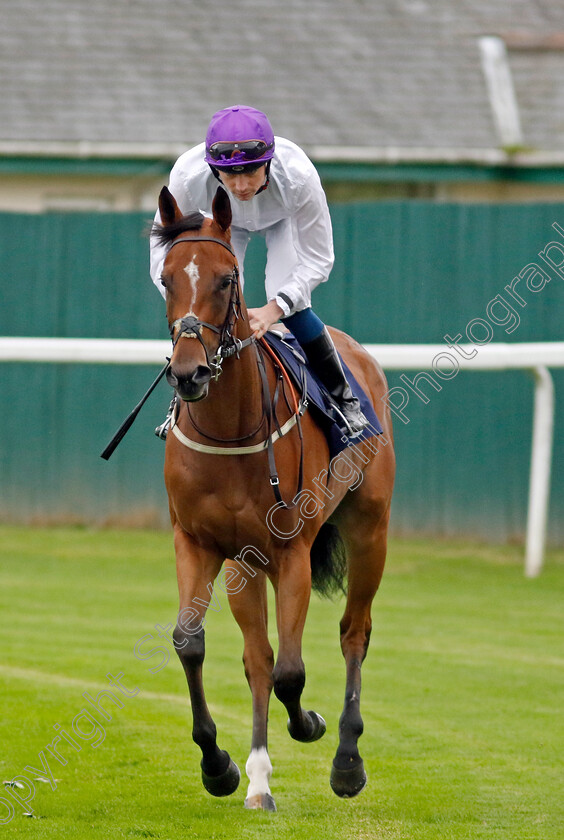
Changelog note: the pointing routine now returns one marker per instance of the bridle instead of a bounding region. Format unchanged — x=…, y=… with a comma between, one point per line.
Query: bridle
x=190, y=326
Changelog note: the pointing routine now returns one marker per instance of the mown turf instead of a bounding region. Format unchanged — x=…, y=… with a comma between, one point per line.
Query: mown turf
x=463, y=692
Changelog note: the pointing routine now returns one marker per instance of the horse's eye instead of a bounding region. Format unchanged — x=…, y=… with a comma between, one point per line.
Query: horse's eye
x=226, y=281
x=165, y=281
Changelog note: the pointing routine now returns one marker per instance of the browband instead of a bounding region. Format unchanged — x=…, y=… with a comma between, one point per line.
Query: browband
x=204, y=239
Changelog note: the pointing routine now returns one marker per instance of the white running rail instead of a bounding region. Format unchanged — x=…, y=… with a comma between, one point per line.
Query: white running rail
x=535, y=357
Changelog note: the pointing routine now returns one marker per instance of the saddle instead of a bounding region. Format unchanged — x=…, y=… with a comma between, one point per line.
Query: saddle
x=314, y=394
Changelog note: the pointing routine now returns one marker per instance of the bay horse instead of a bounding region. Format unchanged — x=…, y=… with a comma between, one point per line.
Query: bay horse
x=223, y=509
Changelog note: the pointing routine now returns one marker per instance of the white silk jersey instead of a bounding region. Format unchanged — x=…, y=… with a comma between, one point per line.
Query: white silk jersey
x=292, y=214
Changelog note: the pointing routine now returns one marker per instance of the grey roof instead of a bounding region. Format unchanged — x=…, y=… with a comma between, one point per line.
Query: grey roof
x=362, y=73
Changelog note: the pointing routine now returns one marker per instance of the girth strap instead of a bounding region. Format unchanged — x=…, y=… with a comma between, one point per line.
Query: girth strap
x=274, y=480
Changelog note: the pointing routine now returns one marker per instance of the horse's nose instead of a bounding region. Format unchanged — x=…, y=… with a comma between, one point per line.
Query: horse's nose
x=189, y=385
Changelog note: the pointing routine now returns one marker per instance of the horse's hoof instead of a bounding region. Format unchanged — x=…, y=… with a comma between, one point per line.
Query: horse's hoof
x=350, y=782
x=319, y=729
x=261, y=802
x=225, y=784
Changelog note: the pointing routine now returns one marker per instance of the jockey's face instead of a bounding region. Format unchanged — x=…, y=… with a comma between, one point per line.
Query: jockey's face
x=243, y=185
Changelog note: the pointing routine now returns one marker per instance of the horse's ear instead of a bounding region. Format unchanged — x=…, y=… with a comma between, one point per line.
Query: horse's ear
x=168, y=208
x=221, y=209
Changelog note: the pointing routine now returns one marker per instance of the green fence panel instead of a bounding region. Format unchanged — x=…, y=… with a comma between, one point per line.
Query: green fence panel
x=405, y=272
x=415, y=272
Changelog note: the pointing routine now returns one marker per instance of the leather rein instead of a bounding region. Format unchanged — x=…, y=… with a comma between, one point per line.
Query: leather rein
x=190, y=326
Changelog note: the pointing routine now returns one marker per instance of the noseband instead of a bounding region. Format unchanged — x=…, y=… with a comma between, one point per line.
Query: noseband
x=190, y=325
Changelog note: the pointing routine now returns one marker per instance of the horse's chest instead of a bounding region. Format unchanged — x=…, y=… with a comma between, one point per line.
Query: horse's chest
x=218, y=509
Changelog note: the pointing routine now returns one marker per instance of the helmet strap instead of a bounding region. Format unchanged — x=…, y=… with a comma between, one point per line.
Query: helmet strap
x=267, y=181
x=215, y=172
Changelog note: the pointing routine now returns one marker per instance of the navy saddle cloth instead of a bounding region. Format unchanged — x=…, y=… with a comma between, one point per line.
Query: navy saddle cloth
x=317, y=396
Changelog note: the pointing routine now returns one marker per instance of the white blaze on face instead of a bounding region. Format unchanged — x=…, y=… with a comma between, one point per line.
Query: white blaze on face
x=192, y=271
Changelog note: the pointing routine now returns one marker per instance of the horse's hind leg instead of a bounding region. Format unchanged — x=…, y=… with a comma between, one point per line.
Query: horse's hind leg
x=248, y=602
x=196, y=571
x=366, y=551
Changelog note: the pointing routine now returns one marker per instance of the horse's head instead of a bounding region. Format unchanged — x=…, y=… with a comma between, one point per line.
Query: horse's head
x=202, y=292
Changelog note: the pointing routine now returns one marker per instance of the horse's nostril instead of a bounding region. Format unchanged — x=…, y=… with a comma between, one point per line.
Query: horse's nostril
x=201, y=375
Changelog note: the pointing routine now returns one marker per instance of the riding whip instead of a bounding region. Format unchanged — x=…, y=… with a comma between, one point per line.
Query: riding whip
x=128, y=422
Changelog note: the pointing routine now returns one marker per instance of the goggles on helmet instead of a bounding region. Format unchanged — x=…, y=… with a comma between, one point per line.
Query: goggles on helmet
x=239, y=152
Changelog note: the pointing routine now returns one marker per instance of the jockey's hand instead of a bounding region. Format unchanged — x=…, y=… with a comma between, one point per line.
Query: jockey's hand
x=261, y=319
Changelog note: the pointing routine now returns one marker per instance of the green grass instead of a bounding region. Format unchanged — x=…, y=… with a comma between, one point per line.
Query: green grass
x=463, y=697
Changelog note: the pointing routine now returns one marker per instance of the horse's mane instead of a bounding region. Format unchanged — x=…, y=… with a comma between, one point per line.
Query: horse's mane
x=193, y=221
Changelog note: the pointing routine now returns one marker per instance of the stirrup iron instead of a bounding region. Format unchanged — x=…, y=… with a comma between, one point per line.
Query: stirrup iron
x=162, y=430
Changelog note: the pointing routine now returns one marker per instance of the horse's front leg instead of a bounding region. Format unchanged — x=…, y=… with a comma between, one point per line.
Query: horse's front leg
x=196, y=570
x=248, y=602
x=293, y=589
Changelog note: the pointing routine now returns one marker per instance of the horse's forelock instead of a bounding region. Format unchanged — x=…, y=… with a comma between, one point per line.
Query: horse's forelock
x=165, y=234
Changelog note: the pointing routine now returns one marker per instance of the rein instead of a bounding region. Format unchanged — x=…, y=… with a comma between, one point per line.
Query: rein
x=190, y=326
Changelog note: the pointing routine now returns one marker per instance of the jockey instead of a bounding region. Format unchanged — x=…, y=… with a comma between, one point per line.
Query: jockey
x=275, y=191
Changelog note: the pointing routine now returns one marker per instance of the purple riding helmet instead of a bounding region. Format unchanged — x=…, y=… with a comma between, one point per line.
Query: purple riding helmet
x=239, y=136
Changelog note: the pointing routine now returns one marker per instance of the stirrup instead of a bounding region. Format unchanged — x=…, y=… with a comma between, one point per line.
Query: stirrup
x=162, y=430
x=351, y=426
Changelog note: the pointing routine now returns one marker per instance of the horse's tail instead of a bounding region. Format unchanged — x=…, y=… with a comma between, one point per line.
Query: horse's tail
x=328, y=561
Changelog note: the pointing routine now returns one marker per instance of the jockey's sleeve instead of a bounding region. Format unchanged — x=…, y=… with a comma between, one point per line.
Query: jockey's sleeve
x=312, y=240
